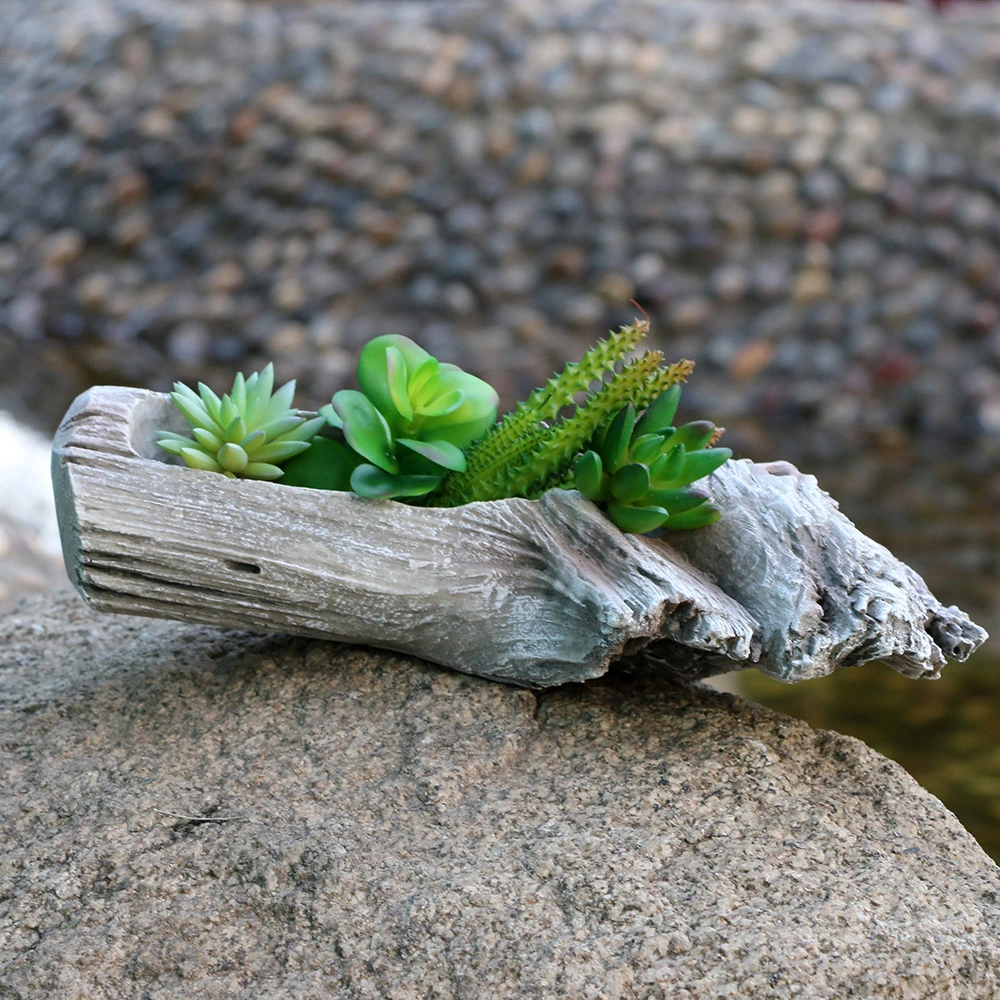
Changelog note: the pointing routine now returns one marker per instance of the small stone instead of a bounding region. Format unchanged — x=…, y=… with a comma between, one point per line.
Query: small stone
x=751, y=359
x=243, y=124
x=783, y=221
x=289, y=338
x=129, y=188
x=566, y=264
x=975, y=212
x=188, y=343
x=62, y=247
x=823, y=226
x=25, y=315
x=614, y=288
x=226, y=277
x=771, y=279
x=646, y=267
x=533, y=167
x=131, y=230
x=584, y=311
x=729, y=282
x=288, y=295
x=157, y=123
x=387, y=266
x=807, y=153
x=810, y=284
x=749, y=120
x=94, y=289
x=459, y=298
x=690, y=313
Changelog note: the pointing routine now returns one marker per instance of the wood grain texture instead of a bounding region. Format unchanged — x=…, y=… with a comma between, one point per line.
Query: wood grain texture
x=532, y=592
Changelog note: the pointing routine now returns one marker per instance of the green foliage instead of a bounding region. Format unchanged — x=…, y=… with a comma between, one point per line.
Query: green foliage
x=425, y=431
x=411, y=419
x=641, y=470
x=531, y=451
x=248, y=433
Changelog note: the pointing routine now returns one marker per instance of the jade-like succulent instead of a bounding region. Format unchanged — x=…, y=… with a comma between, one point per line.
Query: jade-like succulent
x=411, y=419
x=641, y=469
x=246, y=433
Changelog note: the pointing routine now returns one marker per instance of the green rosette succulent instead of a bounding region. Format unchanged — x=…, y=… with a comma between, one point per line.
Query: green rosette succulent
x=247, y=433
x=411, y=420
x=640, y=468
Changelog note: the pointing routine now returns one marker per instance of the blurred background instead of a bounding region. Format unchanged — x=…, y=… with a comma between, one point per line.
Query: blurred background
x=803, y=194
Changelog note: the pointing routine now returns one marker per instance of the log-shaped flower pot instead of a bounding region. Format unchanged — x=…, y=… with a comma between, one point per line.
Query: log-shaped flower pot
x=534, y=592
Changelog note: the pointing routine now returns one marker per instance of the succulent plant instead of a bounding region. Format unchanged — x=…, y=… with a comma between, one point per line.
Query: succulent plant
x=411, y=419
x=640, y=469
x=532, y=450
x=246, y=433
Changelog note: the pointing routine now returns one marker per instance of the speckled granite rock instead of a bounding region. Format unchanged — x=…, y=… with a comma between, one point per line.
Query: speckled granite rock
x=190, y=812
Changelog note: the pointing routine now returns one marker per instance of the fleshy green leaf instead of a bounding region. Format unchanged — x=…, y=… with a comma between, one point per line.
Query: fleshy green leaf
x=172, y=443
x=439, y=452
x=262, y=470
x=475, y=415
x=375, y=483
x=366, y=429
x=646, y=448
x=236, y=430
x=279, y=451
x=668, y=466
x=614, y=447
x=694, y=435
x=697, y=517
x=238, y=394
x=588, y=476
x=698, y=464
x=373, y=373
x=327, y=465
x=232, y=458
x=637, y=520
x=276, y=428
x=630, y=483
x=228, y=414
x=677, y=501
x=397, y=382
x=443, y=405
x=194, y=413
x=660, y=413
x=277, y=406
x=330, y=415
x=197, y=459
x=208, y=440
x=424, y=381
x=211, y=402
x=252, y=441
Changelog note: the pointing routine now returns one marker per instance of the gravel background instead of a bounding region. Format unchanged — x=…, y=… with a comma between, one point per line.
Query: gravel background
x=805, y=196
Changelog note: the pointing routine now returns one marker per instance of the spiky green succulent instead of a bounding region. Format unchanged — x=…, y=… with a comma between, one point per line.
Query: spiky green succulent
x=411, y=419
x=531, y=450
x=246, y=433
x=640, y=468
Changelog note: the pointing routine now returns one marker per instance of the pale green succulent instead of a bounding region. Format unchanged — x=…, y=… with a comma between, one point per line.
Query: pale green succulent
x=246, y=433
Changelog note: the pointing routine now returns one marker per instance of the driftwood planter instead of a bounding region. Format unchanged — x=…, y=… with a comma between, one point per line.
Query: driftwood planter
x=533, y=592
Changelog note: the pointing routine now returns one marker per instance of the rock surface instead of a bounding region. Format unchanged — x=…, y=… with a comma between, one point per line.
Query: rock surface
x=193, y=812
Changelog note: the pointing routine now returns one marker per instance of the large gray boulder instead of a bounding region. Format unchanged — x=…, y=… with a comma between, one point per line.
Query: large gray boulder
x=193, y=812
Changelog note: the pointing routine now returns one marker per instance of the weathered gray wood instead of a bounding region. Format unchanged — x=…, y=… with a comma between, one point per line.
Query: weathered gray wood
x=534, y=592
x=826, y=595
